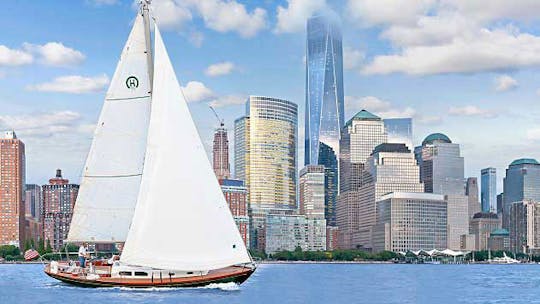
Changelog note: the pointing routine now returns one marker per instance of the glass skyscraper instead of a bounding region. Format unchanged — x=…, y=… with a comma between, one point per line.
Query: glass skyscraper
x=522, y=182
x=488, y=193
x=324, y=100
x=399, y=131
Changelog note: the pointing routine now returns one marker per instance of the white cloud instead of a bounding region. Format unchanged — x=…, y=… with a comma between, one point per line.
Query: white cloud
x=196, y=91
x=497, y=9
x=377, y=106
x=171, y=14
x=12, y=57
x=41, y=124
x=196, y=38
x=230, y=16
x=73, y=84
x=533, y=134
x=373, y=12
x=227, y=100
x=220, y=69
x=55, y=54
x=472, y=111
x=293, y=18
x=352, y=59
x=486, y=50
x=505, y=83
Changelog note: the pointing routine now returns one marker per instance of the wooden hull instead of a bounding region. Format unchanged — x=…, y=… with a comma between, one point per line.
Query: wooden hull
x=235, y=274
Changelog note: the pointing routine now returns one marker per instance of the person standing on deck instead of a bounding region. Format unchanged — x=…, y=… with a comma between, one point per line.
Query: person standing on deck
x=83, y=254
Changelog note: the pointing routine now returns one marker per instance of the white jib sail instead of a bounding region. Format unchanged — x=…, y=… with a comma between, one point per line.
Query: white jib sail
x=113, y=170
x=182, y=221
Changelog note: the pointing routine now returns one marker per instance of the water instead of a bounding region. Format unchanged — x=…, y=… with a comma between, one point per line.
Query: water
x=304, y=283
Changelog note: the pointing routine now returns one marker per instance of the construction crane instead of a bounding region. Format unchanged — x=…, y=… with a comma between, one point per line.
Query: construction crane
x=220, y=121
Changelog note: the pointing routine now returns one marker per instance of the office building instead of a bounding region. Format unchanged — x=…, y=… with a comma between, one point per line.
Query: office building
x=399, y=131
x=525, y=226
x=312, y=205
x=500, y=202
x=471, y=191
x=235, y=194
x=12, y=181
x=58, y=201
x=410, y=221
x=285, y=231
x=324, y=116
x=482, y=225
x=489, y=190
x=442, y=172
x=220, y=153
x=34, y=208
x=521, y=183
x=332, y=238
x=265, y=158
x=390, y=168
x=499, y=240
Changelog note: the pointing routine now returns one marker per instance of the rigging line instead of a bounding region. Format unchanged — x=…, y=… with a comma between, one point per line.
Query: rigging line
x=129, y=98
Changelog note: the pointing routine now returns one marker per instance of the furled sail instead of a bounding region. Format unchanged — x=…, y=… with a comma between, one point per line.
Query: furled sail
x=113, y=170
x=181, y=220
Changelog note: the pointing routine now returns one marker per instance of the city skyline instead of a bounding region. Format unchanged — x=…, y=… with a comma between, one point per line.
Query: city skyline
x=486, y=96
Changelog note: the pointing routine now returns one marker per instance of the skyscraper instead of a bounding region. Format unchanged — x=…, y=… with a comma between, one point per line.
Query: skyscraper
x=471, y=191
x=236, y=196
x=489, y=190
x=12, y=181
x=312, y=205
x=34, y=209
x=58, y=201
x=522, y=182
x=399, y=130
x=265, y=157
x=220, y=153
x=524, y=223
x=442, y=171
x=390, y=168
x=324, y=101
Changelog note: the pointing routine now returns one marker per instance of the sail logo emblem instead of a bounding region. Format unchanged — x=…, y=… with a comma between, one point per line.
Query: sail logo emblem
x=132, y=82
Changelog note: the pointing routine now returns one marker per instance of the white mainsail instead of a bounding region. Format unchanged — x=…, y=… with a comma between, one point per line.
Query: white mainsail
x=181, y=220
x=113, y=170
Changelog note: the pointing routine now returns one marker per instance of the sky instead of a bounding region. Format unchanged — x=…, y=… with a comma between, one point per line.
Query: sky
x=460, y=67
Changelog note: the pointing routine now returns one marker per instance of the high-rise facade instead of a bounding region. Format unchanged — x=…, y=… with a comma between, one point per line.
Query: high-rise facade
x=220, y=153
x=312, y=205
x=265, y=158
x=410, y=221
x=324, y=101
x=390, y=168
x=58, y=201
x=521, y=183
x=285, y=231
x=34, y=209
x=399, y=131
x=482, y=224
x=524, y=222
x=471, y=191
x=236, y=196
x=12, y=181
x=489, y=190
x=442, y=172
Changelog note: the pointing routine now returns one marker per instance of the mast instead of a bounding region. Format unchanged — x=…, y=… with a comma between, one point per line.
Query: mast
x=145, y=11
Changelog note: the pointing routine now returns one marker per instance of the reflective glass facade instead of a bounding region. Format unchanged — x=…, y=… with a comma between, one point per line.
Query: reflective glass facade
x=489, y=190
x=324, y=101
x=522, y=182
x=399, y=131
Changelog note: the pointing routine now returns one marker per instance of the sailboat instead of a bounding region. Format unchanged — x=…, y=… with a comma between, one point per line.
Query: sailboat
x=148, y=183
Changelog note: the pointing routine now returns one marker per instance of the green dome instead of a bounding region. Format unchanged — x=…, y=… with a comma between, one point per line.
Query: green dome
x=524, y=161
x=363, y=115
x=436, y=137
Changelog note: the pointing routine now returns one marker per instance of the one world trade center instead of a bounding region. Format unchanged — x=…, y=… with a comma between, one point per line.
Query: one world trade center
x=324, y=101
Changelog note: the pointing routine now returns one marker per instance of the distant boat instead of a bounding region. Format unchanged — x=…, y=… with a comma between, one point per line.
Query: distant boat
x=148, y=182
x=504, y=260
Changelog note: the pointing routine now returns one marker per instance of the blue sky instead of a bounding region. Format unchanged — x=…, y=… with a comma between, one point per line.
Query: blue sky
x=459, y=67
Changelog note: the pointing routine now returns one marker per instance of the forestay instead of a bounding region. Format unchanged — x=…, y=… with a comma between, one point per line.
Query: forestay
x=181, y=221
x=112, y=174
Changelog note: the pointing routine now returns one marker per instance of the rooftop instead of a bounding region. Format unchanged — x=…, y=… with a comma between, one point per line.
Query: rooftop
x=391, y=147
x=436, y=138
x=363, y=115
x=525, y=161
x=485, y=215
x=500, y=231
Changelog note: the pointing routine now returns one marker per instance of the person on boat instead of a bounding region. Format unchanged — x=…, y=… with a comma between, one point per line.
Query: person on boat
x=83, y=254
